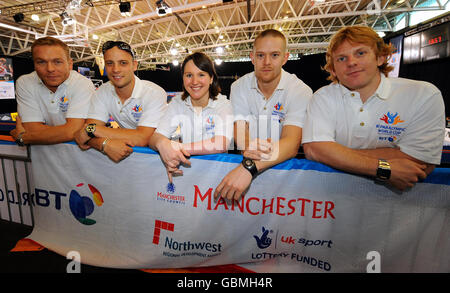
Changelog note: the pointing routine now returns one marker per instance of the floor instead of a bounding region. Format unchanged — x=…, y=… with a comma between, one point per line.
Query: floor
x=44, y=261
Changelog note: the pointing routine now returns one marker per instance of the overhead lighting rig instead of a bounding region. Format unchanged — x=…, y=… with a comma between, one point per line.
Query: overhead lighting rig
x=18, y=17
x=162, y=8
x=66, y=19
x=125, y=8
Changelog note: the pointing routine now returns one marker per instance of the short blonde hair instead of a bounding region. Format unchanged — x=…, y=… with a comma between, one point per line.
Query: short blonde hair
x=360, y=35
x=272, y=33
x=50, y=41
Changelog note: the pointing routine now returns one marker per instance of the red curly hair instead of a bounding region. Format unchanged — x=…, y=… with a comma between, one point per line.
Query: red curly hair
x=360, y=35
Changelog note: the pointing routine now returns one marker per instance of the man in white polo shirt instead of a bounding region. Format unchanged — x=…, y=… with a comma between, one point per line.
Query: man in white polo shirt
x=269, y=108
x=366, y=123
x=136, y=105
x=52, y=101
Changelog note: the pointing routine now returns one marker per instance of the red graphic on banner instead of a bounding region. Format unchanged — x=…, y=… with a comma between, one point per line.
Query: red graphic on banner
x=161, y=225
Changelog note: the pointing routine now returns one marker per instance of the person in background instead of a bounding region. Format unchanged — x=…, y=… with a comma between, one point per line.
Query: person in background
x=52, y=101
x=136, y=105
x=364, y=122
x=201, y=115
x=269, y=107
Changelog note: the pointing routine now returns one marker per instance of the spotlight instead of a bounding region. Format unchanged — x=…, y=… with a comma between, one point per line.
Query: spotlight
x=125, y=8
x=66, y=19
x=219, y=50
x=18, y=17
x=162, y=8
x=74, y=5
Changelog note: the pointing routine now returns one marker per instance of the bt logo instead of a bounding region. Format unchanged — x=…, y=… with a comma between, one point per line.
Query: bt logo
x=263, y=242
x=82, y=206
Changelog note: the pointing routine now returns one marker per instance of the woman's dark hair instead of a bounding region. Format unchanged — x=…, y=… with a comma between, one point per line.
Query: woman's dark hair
x=204, y=63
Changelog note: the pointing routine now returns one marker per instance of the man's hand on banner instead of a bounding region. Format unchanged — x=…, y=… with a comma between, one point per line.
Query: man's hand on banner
x=234, y=184
x=118, y=149
x=405, y=173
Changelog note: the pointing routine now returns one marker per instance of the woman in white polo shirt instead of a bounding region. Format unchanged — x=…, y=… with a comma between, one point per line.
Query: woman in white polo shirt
x=201, y=117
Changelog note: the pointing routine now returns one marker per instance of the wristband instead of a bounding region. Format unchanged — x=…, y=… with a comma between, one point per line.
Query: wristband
x=103, y=145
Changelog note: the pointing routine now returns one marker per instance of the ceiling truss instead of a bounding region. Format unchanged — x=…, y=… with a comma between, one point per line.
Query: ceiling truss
x=196, y=25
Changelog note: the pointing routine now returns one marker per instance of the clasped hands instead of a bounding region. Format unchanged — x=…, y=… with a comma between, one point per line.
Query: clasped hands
x=115, y=149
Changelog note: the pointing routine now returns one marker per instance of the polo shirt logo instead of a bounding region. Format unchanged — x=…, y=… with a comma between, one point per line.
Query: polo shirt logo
x=390, y=131
x=279, y=107
x=392, y=119
x=63, y=104
x=137, y=111
x=210, y=125
x=277, y=113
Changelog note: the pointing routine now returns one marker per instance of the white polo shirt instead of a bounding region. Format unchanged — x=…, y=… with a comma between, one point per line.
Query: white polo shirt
x=266, y=118
x=402, y=113
x=216, y=119
x=145, y=107
x=36, y=103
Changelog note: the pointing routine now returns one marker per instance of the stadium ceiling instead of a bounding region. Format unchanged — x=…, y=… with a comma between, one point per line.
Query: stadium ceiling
x=192, y=25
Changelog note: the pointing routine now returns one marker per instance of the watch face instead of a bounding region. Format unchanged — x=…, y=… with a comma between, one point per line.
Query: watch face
x=248, y=162
x=90, y=128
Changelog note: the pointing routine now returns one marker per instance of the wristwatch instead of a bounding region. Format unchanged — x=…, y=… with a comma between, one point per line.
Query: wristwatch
x=90, y=130
x=383, y=171
x=250, y=165
x=19, y=139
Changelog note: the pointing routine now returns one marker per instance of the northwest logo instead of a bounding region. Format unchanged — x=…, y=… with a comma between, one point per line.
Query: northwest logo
x=392, y=119
x=161, y=225
x=263, y=241
x=83, y=206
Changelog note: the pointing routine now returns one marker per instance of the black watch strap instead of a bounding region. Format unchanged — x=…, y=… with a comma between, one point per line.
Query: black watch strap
x=250, y=166
x=90, y=130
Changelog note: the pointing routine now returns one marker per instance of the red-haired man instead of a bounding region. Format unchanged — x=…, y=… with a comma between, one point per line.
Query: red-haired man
x=367, y=123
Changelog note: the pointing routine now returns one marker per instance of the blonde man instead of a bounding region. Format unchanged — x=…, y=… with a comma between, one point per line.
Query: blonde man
x=269, y=106
x=366, y=123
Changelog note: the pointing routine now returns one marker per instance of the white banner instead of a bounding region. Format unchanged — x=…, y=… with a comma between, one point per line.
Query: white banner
x=15, y=198
x=297, y=217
